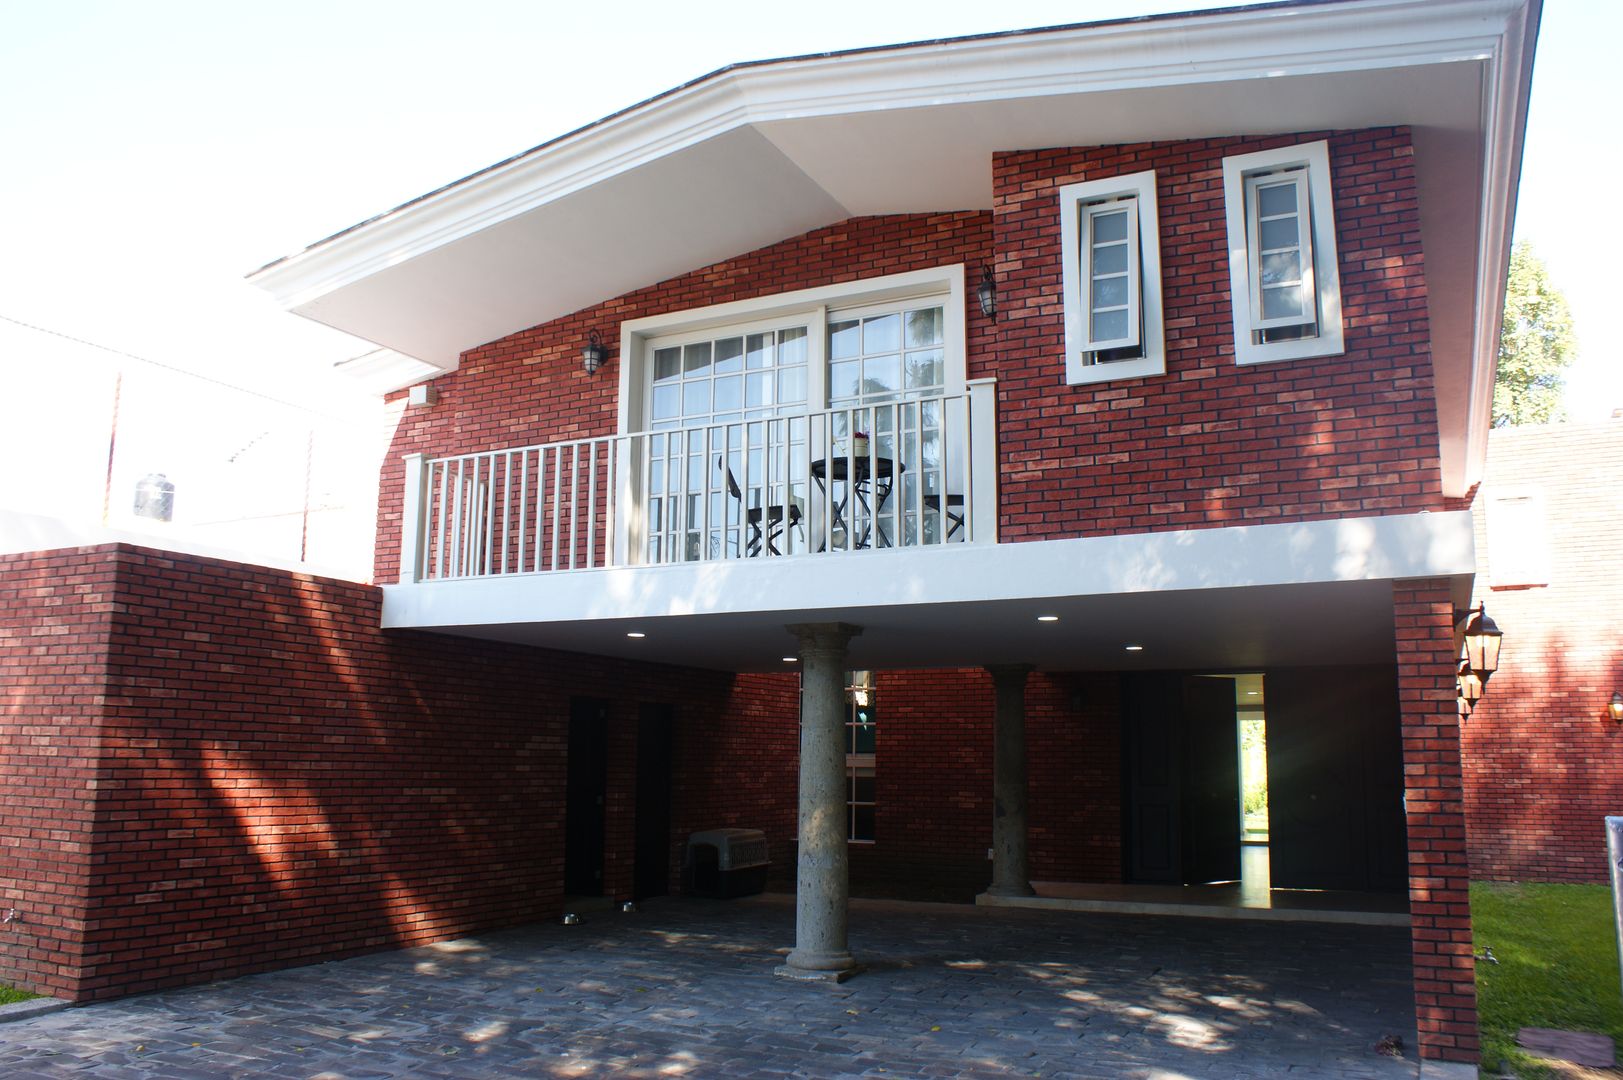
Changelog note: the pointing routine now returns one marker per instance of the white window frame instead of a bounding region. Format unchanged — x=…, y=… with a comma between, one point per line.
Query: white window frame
x=1518, y=535
x=1078, y=205
x=639, y=336
x=807, y=307
x=1241, y=174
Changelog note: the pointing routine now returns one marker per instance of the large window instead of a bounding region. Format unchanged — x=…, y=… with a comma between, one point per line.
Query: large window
x=1111, y=275
x=861, y=742
x=746, y=402
x=1283, y=274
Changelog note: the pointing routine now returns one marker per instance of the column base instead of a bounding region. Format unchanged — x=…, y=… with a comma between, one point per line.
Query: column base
x=1023, y=889
x=829, y=975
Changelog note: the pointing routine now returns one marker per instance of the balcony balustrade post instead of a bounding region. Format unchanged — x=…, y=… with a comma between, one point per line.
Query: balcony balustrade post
x=983, y=499
x=411, y=519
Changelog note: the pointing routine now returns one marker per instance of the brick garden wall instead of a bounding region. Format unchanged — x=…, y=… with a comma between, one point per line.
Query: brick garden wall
x=55, y=614
x=277, y=781
x=1543, y=761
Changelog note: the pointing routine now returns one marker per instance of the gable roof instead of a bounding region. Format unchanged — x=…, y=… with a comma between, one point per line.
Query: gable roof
x=759, y=152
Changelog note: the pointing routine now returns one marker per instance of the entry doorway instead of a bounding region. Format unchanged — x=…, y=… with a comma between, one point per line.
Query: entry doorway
x=651, y=873
x=585, y=796
x=1182, y=782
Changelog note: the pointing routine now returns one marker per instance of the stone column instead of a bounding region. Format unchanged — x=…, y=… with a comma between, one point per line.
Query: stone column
x=1011, y=873
x=823, y=884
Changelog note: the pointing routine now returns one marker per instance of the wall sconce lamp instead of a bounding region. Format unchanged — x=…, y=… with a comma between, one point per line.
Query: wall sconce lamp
x=1615, y=707
x=1470, y=684
x=1482, y=640
x=592, y=354
x=987, y=292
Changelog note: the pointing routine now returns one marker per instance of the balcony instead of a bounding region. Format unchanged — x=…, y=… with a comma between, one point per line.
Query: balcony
x=882, y=478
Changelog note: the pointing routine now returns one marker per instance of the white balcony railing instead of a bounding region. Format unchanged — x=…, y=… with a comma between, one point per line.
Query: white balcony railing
x=753, y=487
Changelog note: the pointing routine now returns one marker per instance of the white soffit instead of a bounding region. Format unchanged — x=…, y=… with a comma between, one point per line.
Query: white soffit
x=757, y=153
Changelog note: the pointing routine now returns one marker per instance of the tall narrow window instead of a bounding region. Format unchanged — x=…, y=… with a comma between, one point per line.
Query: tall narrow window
x=1286, y=288
x=1110, y=244
x=860, y=743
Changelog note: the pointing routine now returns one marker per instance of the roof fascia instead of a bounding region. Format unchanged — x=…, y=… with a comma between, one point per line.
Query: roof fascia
x=1247, y=43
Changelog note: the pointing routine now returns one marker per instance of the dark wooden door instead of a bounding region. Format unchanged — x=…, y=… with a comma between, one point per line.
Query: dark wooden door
x=1211, y=782
x=587, y=788
x=1335, y=780
x=1150, y=741
x=652, y=873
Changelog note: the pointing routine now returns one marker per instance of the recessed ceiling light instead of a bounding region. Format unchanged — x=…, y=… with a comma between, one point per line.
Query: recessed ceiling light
x=791, y=659
x=1048, y=618
x=1133, y=648
x=635, y=633
x=1250, y=693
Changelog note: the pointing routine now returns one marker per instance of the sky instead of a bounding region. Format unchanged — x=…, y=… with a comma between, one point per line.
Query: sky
x=154, y=153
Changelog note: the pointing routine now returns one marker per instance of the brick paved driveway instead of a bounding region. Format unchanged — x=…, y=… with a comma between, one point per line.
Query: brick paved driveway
x=685, y=987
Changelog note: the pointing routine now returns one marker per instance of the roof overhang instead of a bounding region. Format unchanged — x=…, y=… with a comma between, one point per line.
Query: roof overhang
x=757, y=153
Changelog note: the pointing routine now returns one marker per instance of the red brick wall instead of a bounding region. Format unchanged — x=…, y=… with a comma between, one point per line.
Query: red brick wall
x=1210, y=443
x=1544, y=763
x=55, y=612
x=1439, y=877
x=279, y=781
x=933, y=766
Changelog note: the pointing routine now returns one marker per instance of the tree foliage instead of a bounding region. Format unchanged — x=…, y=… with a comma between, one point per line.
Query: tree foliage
x=1536, y=344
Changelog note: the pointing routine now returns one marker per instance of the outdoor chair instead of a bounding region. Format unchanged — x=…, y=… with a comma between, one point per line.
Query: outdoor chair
x=766, y=524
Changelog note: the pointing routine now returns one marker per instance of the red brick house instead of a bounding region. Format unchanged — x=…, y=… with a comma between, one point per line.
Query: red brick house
x=1540, y=749
x=1058, y=378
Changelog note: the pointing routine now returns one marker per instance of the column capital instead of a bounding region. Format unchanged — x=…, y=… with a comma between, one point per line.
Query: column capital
x=828, y=639
x=1002, y=673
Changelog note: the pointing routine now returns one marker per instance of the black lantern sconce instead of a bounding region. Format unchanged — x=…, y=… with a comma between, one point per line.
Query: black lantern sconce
x=1614, y=708
x=591, y=356
x=1482, y=641
x=987, y=293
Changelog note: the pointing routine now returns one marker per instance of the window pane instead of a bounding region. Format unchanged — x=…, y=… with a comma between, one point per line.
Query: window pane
x=862, y=789
x=1282, y=303
x=842, y=378
x=1111, y=226
x=792, y=345
x=1111, y=259
x=729, y=391
x=1277, y=199
x=665, y=399
x=729, y=355
x=1109, y=293
x=758, y=388
x=862, y=823
x=881, y=374
x=667, y=364
x=758, y=353
x=844, y=340
x=696, y=358
x=1282, y=268
x=696, y=395
x=1109, y=325
x=1279, y=233
x=864, y=738
x=924, y=369
x=792, y=385
x=924, y=327
x=882, y=333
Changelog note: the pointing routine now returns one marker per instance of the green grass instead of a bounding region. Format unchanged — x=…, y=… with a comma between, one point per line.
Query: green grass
x=1557, y=951
x=8, y=995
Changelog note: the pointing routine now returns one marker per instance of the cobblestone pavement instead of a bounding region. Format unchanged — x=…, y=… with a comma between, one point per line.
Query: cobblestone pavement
x=685, y=987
